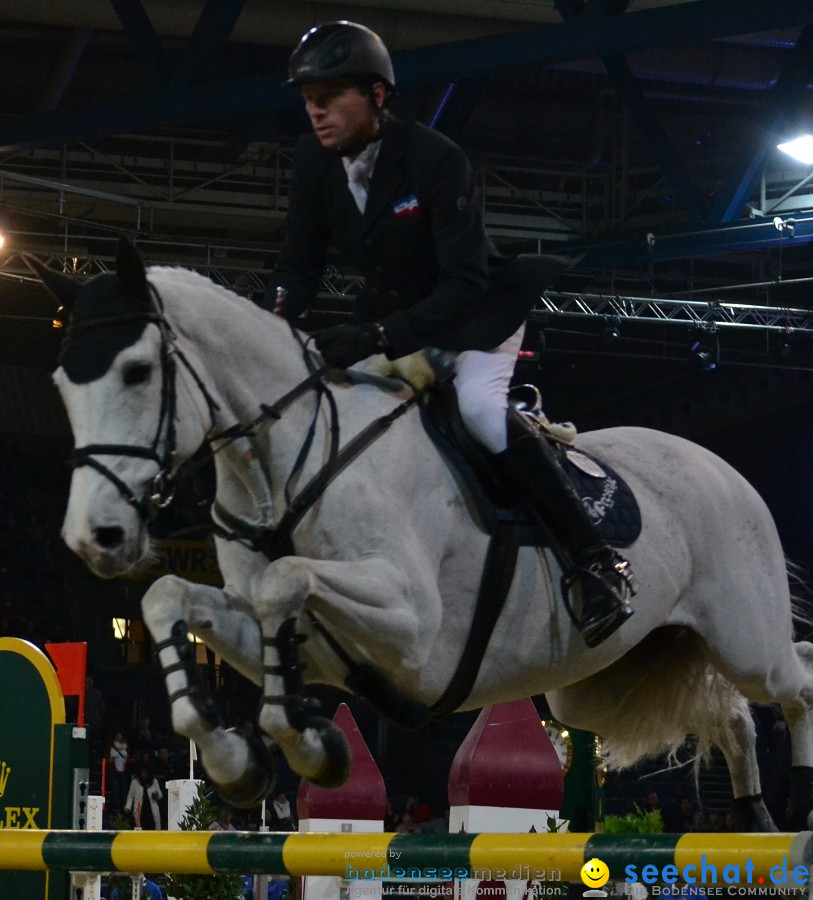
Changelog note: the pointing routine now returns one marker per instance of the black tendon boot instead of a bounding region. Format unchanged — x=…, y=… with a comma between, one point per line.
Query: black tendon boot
x=593, y=570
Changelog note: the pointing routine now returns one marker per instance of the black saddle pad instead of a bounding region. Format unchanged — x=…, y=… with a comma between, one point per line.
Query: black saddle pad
x=607, y=497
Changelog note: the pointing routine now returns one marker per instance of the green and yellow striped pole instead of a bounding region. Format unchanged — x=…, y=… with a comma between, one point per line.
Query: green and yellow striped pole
x=412, y=857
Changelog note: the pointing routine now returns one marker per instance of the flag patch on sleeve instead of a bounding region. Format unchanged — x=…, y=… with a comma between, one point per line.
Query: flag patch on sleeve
x=406, y=207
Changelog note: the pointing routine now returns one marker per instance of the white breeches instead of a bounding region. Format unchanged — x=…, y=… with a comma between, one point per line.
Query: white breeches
x=482, y=378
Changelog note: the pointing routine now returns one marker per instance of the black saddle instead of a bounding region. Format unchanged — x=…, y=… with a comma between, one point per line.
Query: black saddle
x=608, y=499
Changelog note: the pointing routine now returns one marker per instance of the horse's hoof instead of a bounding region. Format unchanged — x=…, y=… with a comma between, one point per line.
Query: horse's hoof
x=336, y=769
x=257, y=782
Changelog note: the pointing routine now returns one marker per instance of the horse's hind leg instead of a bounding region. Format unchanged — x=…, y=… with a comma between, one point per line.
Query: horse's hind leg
x=243, y=772
x=799, y=716
x=646, y=704
x=736, y=738
x=779, y=672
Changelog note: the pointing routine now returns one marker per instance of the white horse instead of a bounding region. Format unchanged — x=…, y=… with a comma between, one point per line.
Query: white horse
x=388, y=558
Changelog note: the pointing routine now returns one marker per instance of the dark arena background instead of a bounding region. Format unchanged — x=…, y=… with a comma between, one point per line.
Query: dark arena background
x=638, y=135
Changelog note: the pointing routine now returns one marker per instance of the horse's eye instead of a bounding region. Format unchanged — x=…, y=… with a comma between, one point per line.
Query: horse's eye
x=136, y=373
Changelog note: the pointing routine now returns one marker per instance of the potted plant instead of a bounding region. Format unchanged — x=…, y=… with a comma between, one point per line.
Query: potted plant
x=199, y=817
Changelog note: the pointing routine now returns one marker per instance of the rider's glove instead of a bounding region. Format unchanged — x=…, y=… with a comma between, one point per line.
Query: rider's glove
x=344, y=345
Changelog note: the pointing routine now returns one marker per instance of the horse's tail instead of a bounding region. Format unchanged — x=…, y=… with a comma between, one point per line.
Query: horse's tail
x=679, y=695
x=800, y=580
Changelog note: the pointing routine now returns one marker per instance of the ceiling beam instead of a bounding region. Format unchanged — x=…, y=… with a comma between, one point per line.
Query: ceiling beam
x=457, y=105
x=644, y=116
x=781, y=102
x=208, y=40
x=685, y=23
x=755, y=234
x=143, y=39
x=70, y=55
x=666, y=26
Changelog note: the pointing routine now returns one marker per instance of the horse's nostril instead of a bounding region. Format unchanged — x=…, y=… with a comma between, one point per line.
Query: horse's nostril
x=109, y=537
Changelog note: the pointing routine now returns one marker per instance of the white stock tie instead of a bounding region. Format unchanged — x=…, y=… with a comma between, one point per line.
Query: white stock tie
x=358, y=181
x=359, y=172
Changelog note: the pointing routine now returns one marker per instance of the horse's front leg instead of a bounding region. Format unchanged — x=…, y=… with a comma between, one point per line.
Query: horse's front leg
x=243, y=771
x=313, y=746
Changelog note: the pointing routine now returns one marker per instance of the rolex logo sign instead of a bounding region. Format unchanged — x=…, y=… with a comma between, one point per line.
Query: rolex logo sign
x=5, y=771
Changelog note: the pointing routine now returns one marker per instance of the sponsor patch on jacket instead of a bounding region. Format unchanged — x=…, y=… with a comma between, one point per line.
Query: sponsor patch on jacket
x=406, y=207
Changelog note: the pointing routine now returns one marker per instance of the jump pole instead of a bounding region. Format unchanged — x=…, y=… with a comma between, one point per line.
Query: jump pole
x=417, y=856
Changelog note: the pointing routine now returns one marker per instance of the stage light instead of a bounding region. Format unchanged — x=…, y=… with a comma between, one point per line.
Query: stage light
x=705, y=354
x=611, y=333
x=784, y=349
x=800, y=148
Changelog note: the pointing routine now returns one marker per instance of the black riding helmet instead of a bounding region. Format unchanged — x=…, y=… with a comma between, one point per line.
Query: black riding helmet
x=340, y=50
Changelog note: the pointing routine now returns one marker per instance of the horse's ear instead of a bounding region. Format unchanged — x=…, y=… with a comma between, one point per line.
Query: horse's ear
x=130, y=270
x=61, y=287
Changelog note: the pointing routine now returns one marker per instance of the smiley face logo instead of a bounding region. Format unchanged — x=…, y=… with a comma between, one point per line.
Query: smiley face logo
x=595, y=873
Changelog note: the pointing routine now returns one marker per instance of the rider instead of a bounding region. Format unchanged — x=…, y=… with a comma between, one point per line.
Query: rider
x=397, y=199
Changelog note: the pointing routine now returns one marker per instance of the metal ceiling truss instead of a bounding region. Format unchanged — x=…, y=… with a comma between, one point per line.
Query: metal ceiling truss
x=706, y=315
x=705, y=334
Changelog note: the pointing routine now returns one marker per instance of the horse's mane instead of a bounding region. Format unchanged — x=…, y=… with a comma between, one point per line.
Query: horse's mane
x=177, y=276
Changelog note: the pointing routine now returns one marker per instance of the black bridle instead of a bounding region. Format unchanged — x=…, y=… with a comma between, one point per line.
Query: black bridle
x=160, y=492
x=273, y=541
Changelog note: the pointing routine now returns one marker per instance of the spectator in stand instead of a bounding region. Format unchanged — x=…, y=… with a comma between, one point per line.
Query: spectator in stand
x=283, y=817
x=149, y=890
x=685, y=816
x=223, y=821
x=652, y=803
x=142, y=801
x=699, y=821
x=421, y=812
x=164, y=771
x=714, y=822
x=141, y=739
x=391, y=818
x=163, y=767
x=142, y=758
x=406, y=826
x=438, y=825
x=118, y=758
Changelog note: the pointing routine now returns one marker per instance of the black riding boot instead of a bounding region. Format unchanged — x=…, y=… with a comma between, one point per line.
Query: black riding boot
x=603, y=578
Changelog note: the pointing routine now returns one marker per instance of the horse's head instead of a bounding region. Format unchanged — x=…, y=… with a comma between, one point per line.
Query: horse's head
x=118, y=383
